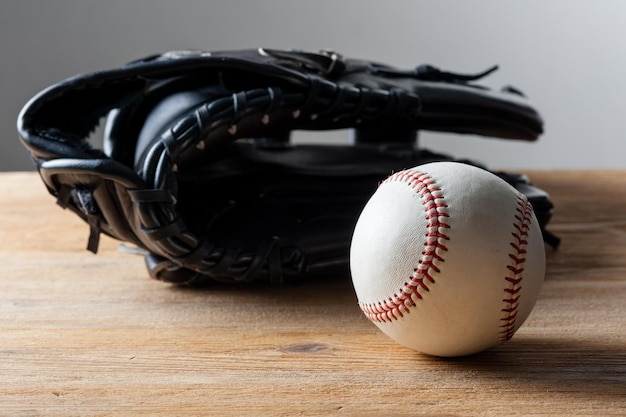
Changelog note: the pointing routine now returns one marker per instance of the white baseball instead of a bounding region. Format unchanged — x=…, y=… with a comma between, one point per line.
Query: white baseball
x=447, y=259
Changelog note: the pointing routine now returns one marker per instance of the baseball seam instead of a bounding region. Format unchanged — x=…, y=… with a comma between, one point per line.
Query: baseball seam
x=515, y=275
x=423, y=276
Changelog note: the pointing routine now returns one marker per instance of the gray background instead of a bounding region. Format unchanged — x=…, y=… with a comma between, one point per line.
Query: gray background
x=567, y=56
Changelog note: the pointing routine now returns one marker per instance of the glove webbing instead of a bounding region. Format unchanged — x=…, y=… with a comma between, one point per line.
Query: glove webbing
x=156, y=207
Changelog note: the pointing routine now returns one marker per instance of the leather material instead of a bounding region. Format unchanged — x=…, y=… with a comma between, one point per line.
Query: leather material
x=198, y=168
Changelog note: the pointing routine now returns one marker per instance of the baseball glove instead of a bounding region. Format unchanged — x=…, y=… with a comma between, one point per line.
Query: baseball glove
x=197, y=169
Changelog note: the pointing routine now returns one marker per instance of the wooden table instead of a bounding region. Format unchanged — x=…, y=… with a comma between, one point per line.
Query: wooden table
x=91, y=335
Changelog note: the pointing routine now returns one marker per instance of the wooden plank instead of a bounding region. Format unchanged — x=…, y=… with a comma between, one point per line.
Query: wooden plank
x=91, y=335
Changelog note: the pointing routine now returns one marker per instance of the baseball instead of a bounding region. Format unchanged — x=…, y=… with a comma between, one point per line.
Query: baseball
x=447, y=259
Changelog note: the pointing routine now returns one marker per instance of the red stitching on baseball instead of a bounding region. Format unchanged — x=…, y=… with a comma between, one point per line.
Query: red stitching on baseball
x=521, y=224
x=433, y=201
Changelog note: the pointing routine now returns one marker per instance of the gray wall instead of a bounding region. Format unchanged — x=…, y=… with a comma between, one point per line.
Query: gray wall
x=567, y=56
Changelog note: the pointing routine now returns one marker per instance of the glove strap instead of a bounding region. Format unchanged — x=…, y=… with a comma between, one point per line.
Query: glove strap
x=83, y=199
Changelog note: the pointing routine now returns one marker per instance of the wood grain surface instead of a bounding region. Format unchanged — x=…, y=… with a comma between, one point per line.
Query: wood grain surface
x=92, y=335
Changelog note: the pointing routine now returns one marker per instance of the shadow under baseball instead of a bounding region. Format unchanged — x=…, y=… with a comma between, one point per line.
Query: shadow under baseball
x=564, y=364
